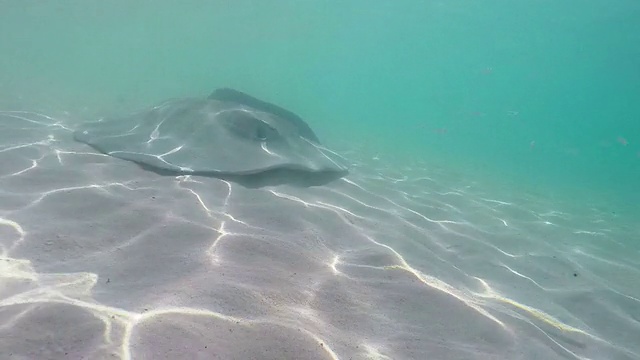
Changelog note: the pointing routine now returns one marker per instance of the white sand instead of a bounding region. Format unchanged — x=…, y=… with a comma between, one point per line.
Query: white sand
x=100, y=259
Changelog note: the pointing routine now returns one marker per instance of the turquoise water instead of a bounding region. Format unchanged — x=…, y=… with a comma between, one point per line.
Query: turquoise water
x=536, y=100
x=538, y=93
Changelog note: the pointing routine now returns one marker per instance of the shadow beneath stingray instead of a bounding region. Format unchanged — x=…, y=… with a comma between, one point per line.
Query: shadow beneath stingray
x=274, y=177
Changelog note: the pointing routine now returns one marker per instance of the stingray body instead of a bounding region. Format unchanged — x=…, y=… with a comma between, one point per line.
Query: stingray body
x=228, y=134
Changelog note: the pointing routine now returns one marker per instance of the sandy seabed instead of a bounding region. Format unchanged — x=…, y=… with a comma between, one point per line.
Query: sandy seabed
x=100, y=259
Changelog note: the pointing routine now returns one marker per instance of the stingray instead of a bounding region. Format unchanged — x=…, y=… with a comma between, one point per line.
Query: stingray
x=229, y=135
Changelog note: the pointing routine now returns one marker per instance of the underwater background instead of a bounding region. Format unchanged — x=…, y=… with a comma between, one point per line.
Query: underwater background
x=540, y=95
x=535, y=100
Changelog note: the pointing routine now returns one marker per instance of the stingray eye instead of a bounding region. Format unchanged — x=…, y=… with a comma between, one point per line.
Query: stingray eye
x=265, y=132
x=261, y=133
x=244, y=124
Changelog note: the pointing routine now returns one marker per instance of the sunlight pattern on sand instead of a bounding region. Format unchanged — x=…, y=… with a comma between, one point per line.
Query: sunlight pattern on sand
x=101, y=259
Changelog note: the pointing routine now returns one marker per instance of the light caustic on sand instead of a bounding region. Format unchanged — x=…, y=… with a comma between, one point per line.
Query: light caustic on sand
x=119, y=324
